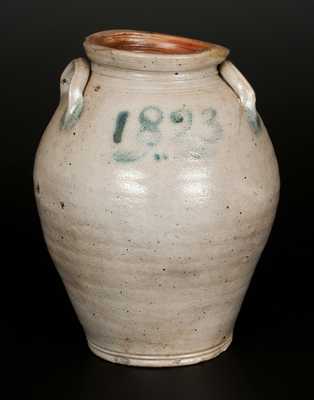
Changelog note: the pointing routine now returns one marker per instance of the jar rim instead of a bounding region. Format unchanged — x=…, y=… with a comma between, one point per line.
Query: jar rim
x=141, y=50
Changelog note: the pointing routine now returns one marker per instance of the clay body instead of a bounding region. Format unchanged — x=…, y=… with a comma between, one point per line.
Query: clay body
x=157, y=185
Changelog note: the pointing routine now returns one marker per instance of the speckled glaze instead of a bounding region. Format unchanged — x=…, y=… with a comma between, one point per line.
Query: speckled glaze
x=157, y=185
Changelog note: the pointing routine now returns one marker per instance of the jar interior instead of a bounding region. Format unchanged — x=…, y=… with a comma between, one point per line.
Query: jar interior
x=145, y=42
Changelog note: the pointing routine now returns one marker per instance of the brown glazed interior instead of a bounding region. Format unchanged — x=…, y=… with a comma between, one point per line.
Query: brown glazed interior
x=146, y=42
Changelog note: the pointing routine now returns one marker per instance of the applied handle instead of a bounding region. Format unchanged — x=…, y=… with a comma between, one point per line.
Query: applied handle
x=243, y=90
x=72, y=84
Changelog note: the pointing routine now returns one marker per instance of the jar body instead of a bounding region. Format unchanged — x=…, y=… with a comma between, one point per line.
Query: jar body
x=155, y=208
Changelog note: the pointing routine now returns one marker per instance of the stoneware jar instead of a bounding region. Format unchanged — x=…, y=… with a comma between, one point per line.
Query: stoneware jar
x=157, y=185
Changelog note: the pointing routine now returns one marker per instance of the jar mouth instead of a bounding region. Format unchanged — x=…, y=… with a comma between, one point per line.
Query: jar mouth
x=146, y=42
x=139, y=46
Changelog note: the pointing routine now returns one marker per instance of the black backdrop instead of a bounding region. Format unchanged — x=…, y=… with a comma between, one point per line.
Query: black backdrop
x=271, y=42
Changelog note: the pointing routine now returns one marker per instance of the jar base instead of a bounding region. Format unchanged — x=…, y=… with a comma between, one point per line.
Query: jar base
x=177, y=360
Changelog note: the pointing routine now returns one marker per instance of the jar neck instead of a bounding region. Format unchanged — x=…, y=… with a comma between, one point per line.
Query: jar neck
x=176, y=77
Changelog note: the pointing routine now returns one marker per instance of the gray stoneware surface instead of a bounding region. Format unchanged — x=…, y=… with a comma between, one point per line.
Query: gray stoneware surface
x=157, y=185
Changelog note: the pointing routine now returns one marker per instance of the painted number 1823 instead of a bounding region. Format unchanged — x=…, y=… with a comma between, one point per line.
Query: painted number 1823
x=149, y=130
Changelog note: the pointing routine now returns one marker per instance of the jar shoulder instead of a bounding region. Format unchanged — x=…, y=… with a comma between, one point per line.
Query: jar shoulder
x=164, y=139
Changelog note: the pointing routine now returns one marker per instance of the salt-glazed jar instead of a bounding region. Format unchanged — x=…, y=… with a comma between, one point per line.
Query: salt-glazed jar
x=157, y=185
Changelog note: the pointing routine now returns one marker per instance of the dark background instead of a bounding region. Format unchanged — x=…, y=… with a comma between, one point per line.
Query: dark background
x=43, y=346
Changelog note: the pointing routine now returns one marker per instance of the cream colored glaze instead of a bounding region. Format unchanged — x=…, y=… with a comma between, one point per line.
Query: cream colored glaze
x=156, y=253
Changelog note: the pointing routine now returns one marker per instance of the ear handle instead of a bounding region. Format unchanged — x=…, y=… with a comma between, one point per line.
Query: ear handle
x=72, y=84
x=243, y=90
